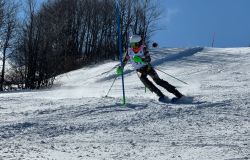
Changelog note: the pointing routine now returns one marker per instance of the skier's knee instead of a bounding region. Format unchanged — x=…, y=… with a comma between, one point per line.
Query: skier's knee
x=158, y=81
x=143, y=78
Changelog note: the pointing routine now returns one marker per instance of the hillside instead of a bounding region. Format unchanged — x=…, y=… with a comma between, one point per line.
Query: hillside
x=74, y=119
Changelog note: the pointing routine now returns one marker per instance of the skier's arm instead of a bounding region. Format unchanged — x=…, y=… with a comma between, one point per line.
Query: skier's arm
x=125, y=60
x=119, y=69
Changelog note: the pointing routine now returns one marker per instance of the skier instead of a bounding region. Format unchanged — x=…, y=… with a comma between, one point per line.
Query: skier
x=140, y=59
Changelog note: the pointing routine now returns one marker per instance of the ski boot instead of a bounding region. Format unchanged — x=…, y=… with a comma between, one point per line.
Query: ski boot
x=178, y=96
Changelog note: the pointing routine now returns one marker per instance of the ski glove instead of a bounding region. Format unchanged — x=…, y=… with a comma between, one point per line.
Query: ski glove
x=119, y=71
x=137, y=59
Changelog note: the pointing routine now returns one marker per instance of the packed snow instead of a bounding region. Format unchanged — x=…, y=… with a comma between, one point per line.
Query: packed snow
x=77, y=120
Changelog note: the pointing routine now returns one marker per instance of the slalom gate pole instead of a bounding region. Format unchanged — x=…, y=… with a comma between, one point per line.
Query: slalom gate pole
x=111, y=86
x=120, y=48
x=171, y=76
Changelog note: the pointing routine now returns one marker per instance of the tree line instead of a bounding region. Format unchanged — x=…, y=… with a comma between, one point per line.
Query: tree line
x=58, y=36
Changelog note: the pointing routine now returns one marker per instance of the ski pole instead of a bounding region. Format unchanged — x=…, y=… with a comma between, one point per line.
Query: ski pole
x=110, y=69
x=171, y=76
x=111, y=86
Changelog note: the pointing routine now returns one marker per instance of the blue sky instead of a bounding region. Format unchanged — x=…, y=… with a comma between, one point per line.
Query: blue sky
x=188, y=23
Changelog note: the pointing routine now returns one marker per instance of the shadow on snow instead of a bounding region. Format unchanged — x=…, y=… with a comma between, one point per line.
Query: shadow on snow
x=174, y=57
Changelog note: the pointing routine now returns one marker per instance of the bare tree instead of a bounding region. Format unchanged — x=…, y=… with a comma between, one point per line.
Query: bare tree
x=8, y=27
x=146, y=14
x=1, y=12
x=64, y=35
x=31, y=35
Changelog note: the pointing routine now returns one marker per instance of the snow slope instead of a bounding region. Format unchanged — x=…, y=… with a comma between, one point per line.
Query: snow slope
x=74, y=120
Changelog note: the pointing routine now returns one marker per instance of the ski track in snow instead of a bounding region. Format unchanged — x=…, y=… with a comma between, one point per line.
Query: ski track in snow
x=74, y=120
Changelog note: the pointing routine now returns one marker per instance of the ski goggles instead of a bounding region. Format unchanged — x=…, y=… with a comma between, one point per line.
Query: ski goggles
x=135, y=45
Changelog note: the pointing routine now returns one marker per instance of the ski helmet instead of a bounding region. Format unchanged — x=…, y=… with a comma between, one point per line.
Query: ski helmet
x=135, y=42
x=135, y=39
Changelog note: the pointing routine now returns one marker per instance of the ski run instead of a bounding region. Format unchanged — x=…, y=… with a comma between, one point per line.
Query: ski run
x=75, y=121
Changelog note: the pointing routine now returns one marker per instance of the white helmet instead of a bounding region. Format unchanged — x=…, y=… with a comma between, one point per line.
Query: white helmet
x=135, y=39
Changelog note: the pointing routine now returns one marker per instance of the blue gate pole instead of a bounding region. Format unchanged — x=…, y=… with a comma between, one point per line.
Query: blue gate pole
x=120, y=48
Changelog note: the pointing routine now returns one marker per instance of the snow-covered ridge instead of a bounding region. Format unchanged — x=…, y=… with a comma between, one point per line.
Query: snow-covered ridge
x=74, y=120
